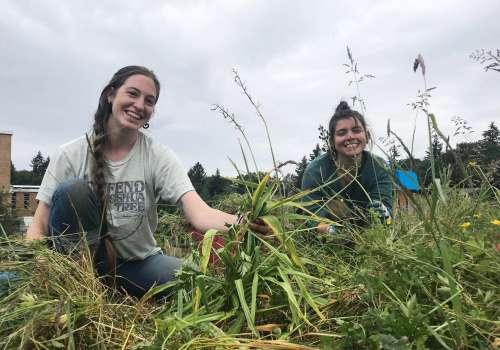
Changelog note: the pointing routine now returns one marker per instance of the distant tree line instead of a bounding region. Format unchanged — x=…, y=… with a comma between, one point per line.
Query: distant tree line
x=484, y=153
x=34, y=176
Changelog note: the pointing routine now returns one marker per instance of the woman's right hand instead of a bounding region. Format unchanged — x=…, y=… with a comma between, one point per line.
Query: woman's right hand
x=40, y=224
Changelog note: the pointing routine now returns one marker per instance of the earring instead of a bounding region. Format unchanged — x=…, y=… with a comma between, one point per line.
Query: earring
x=146, y=125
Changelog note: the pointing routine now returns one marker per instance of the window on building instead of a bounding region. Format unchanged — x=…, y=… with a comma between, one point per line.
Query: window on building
x=26, y=200
x=13, y=200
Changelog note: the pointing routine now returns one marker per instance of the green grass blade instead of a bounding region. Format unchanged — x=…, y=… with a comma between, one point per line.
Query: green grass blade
x=253, y=301
x=241, y=295
x=275, y=225
x=206, y=249
x=307, y=296
x=259, y=191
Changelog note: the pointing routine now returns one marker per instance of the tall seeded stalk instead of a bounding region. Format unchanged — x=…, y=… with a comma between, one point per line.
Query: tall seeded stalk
x=420, y=61
x=357, y=78
x=243, y=87
x=442, y=243
x=232, y=119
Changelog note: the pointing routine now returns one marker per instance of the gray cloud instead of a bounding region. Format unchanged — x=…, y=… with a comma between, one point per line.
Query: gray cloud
x=57, y=55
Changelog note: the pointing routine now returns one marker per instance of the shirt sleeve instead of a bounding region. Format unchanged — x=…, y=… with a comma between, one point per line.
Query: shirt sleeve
x=310, y=182
x=170, y=178
x=59, y=170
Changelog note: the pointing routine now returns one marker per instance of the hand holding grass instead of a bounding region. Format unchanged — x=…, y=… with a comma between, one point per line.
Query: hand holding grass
x=261, y=228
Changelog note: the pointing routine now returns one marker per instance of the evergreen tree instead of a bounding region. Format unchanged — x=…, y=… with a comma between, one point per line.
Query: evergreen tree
x=299, y=172
x=37, y=164
x=198, y=177
x=324, y=136
x=490, y=153
x=217, y=185
x=288, y=182
x=492, y=135
x=22, y=177
x=490, y=145
x=393, y=156
x=45, y=165
x=437, y=148
x=253, y=178
x=316, y=152
x=38, y=167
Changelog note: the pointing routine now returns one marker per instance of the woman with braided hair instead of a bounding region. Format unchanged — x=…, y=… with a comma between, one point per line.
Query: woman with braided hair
x=107, y=183
x=349, y=180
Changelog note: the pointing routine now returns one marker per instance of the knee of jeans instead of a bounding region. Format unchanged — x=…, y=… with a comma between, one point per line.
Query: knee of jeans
x=74, y=189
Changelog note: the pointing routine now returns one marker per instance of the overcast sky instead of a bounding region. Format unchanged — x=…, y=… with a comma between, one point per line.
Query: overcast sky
x=56, y=56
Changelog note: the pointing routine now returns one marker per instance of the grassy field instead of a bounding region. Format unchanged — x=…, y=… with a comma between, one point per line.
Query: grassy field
x=429, y=280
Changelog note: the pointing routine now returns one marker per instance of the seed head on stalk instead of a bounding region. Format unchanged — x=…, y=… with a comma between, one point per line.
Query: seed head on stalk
x=232, y=119
x=241, y=84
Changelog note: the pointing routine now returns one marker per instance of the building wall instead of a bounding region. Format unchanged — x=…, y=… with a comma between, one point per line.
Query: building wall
x=24, y=203
x=22, y=200
x=5, y=149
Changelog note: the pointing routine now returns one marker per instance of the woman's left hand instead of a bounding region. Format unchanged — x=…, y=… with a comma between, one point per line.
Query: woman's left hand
x=261, y=228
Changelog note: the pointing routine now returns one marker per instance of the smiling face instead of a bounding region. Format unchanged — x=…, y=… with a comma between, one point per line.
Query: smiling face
x=349, y=138
x=132, y=103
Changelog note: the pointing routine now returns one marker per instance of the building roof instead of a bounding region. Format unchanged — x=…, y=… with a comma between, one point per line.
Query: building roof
x=6, y=132
x=24, y=188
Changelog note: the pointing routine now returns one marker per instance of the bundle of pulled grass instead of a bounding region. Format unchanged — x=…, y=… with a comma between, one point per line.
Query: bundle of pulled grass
x=55, y=301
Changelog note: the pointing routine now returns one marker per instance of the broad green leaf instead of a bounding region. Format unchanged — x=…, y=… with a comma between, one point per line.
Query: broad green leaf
x=206, y=249
x=292, y=300
x=180, y=303
x=308, y=297
x=437, y=181
x=253, y=301
x=202, y=288
x=158, y=289
x=237, y=324
x=259, y=192
x=275, y=226
x=244, y=306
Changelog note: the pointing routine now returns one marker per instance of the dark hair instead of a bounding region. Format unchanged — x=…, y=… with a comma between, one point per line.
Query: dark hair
x=343, y=111
x=99, y=168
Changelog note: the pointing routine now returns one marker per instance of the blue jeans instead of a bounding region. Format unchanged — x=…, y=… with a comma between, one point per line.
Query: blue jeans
x=75, y=218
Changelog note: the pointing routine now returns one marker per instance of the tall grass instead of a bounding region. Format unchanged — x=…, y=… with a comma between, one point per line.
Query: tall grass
x=388, y=287
x=429, y=280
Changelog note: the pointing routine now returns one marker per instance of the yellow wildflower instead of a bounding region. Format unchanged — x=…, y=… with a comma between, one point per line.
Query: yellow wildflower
x=495, y=222
x=477, y=215
x=465, y=225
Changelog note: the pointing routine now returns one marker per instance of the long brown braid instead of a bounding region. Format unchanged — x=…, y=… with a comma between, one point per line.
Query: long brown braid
x=99, y=167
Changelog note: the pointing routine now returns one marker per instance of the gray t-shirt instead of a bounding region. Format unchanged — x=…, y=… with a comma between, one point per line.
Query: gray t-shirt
x=134, y=185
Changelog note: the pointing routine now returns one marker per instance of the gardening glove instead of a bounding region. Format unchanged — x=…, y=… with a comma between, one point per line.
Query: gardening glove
x=326, y=229
x=381, y=210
